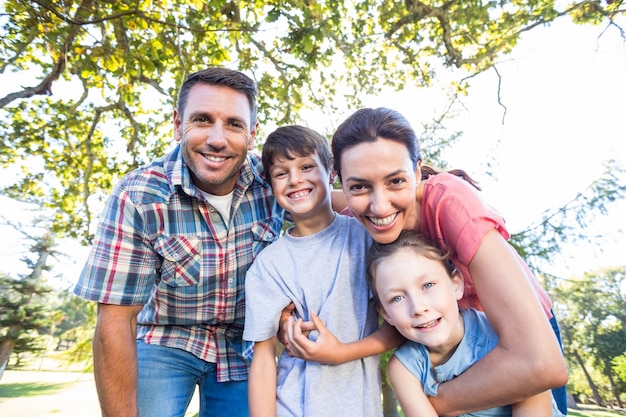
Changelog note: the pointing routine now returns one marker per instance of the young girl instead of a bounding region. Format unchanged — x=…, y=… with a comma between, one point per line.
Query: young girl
x=416, y=288
x=378, y=160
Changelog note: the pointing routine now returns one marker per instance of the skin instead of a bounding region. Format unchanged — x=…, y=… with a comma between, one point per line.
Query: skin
x=215, y=134
x=302, y=187
x=377, y=183
x=380, y=185
x=419, y=298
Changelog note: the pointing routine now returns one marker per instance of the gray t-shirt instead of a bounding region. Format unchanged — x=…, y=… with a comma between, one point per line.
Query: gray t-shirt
x=325, y=273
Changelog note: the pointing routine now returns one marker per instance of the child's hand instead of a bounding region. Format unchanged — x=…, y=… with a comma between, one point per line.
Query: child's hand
x=283, y=325
x=326, y=349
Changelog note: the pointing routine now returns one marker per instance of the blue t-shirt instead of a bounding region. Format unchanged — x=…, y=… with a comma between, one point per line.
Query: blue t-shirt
x=478, y=339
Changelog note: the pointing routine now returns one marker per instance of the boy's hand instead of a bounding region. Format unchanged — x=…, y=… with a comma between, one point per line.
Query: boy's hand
x=326, y=349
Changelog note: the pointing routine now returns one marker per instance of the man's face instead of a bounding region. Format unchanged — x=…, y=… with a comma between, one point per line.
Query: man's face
x=215, y=134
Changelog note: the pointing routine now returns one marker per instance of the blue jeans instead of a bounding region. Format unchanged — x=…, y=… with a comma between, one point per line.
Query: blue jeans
x=559, y=394
x=167, y=379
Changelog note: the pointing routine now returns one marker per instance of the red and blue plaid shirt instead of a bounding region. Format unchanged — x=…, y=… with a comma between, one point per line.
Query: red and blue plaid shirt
x=161, y=245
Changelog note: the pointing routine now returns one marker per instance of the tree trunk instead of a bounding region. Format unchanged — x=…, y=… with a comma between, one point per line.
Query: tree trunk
x=613, y=388
x=594, y=389
x=390, y=402
x=6, y=347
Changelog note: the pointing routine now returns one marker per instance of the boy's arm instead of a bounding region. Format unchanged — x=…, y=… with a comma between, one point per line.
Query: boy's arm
x=329, y=350
x=409, y=391
x=262, y=379
x=539, y=405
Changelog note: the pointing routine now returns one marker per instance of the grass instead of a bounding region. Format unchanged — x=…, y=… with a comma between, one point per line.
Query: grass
x=594, y=411
x=30, y=389
x=34, y=389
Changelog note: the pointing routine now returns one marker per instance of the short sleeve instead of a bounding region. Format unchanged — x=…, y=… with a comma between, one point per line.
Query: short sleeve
x=121, y=266
x=455, y=216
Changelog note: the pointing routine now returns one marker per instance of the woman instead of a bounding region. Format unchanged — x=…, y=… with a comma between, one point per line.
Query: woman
x=378, y=160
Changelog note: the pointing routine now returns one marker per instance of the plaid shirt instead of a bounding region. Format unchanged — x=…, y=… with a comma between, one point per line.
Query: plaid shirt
x=161, y=245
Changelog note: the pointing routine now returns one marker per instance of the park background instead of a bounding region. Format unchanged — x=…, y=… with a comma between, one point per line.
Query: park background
x=537, y=129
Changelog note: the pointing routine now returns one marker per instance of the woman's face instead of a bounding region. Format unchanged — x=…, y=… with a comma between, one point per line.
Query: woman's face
x=379, y=183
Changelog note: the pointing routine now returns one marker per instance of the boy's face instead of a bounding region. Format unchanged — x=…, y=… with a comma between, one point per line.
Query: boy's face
x=419, y=298
x=301, y=185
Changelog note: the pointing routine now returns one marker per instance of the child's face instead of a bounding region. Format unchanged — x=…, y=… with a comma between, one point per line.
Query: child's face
x=419, y=298
x=379, y=182
x=301, y=185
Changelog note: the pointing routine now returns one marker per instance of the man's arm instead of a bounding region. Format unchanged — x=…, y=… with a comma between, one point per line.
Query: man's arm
x=527, y=346
x=115, y=359
x=329, y=350
x=262, y=379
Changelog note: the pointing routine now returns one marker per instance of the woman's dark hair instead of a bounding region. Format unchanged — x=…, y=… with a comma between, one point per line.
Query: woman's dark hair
x=219, y=76
x=367, y=125
x=409, y=239
x=292, y=141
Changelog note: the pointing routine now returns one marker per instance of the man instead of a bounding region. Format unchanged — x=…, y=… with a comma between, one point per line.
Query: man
x=168, y=263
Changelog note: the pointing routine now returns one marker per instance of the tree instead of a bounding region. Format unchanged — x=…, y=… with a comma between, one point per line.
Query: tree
x=539, y=242
x=96, y=76
x=592, y=311
x=73, y=313
x=23, y=312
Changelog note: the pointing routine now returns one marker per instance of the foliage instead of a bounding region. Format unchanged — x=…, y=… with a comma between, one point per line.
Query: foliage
x=22, y=315
x=79, y=335
x=619, y=366
x=97, y=79
x=592, y=314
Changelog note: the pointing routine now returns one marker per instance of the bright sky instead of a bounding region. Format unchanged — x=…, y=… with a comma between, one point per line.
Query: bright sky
x=564, y=88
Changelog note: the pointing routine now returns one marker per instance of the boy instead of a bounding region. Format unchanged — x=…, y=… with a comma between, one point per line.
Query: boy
x=318, y=264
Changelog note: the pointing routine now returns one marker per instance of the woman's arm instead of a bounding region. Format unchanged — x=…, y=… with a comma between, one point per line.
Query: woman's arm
x=329, y=350
x=408, y=390
x=262, y=379
x=527, y=347
x=539, y=405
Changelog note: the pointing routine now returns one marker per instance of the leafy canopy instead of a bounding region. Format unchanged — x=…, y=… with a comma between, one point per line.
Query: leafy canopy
x=93, y=83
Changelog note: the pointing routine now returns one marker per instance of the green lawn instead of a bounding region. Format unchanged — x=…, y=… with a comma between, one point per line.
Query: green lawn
x=593, y=411
x=30, y=389
x=49, y=387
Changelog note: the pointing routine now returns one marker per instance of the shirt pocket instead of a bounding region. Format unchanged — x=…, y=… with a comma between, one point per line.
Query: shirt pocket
x=265, y=232
x=181, y=259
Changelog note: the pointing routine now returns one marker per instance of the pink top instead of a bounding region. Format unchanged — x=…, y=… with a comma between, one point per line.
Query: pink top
x=456, y=218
